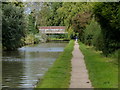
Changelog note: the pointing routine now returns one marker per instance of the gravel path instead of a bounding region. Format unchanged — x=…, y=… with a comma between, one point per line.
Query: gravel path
x=79, y=73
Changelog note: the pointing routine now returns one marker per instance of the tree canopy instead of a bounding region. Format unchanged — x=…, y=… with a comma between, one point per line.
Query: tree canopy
x=95, y=23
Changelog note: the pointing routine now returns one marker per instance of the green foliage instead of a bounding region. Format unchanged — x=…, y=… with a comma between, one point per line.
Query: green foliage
x=55, y=18
x=58, y=36
x=13, y=27
x=29, y=39
x=74, y=15
x=70, y=14
x=43, y=15
x=107, y=15
x=48, y=15
x=18, y=28
x=92, y=34
x=31, y=27
x=80, y=21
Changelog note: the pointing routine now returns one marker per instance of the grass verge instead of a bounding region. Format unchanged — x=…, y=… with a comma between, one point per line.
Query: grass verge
x=60, y=39
x=58, y=76
x=103, y=73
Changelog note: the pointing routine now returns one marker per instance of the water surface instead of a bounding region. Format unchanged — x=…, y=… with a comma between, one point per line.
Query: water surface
x=26, y=66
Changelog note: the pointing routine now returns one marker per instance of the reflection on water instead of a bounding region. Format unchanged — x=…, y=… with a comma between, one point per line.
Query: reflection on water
x=23, y=68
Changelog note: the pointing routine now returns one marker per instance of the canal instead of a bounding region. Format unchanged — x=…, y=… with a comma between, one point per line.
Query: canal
x=26, y=66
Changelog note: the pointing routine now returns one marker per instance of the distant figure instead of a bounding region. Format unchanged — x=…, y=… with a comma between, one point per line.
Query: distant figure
x=76, y=38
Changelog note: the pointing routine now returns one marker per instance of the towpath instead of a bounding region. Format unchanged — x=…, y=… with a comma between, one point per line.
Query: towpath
x=79, y=73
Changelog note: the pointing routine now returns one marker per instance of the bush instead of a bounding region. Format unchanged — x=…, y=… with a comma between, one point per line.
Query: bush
x=29, y=39
x=92, y=33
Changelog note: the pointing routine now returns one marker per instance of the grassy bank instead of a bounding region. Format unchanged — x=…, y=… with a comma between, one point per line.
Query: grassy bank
x=58, y=76
x=103, y=72
x=59, y=39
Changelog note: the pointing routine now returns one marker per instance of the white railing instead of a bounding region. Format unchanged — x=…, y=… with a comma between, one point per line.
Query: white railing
x=47, y=31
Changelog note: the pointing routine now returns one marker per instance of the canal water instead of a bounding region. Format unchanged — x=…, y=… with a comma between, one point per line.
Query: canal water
x=26, y=66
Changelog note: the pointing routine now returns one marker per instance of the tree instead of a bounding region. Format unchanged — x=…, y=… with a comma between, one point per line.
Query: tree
x=79, y=23
x=54, y=19
x=13, y=27
x=107, y=14
x=31, y=25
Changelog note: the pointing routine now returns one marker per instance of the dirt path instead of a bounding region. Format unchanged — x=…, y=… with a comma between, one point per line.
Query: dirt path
x=79, y=74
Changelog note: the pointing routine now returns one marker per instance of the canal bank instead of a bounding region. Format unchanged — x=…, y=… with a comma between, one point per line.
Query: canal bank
x=58, y=76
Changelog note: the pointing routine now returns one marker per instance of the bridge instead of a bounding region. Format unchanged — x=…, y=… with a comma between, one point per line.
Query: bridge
x=53, y=30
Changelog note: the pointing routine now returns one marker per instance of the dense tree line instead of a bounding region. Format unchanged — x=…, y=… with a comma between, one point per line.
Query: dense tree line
x=96, y=24
x=107, y=14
